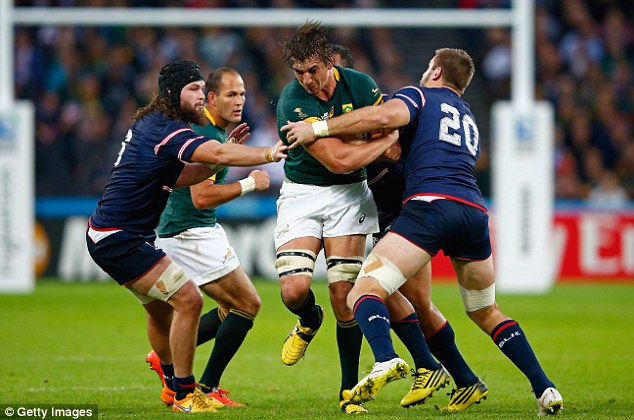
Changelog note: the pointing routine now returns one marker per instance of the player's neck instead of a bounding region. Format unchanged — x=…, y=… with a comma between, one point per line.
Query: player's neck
x=329, y=88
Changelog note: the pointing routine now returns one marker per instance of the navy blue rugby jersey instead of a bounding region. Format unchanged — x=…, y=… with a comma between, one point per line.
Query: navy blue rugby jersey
x=150, y=160
x=445, y=144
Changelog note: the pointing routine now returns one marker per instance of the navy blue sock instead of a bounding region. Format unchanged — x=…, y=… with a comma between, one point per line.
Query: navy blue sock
x=168, y=374
x=408, y=330
x=510, y=338
x=374, y=320
x=184, y=386
x=443, y=345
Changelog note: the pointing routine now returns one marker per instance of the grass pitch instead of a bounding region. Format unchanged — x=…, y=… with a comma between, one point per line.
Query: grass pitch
x=85, y=343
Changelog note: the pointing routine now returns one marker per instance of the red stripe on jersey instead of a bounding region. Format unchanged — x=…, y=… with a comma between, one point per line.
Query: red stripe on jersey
x=184, y=147
x=168, y=138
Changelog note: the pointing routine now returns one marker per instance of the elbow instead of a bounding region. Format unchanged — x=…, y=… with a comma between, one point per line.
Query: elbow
x=199, y=203
x=383, y=121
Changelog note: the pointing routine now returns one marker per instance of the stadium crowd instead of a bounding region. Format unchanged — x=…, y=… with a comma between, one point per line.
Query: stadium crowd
x=87, y=81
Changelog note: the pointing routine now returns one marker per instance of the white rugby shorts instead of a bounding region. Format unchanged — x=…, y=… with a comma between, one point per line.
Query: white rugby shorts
x=324, y=212
x=203, y=252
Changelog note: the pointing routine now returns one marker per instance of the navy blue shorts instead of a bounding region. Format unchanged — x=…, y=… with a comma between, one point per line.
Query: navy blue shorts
x=460, y=230
x=123, y=255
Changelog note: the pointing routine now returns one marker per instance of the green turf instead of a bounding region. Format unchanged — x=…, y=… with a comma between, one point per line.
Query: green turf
x=85, y=343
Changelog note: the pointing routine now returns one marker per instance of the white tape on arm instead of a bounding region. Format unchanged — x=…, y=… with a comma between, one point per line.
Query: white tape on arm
x=320, y=128
x=247, y=184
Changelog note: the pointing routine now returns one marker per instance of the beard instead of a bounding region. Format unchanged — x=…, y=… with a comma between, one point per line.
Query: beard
x=191, y=116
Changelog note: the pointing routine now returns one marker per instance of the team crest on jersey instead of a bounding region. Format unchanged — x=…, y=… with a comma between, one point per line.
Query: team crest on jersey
x=300, y=113
x=346, y=108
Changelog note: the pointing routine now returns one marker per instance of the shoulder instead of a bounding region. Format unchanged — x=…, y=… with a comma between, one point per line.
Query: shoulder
x=210, y=131
x=353, y=75
x=296, y=104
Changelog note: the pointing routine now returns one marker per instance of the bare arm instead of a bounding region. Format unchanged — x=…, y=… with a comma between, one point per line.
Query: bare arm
x=389, y=115
x=208, y=194
x=341, y=157
x=233, y=154
x=193, y=173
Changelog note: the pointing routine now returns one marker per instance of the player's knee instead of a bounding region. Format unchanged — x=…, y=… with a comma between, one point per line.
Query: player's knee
x=343, y=268
x=171, y=281
x=476, y=301
x=388, y=275
x=252, y=304
x=193, y=299
x=291, y=262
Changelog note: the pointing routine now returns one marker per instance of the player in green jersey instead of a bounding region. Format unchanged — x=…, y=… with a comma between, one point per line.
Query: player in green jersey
x=190, y=234
x=325, y=200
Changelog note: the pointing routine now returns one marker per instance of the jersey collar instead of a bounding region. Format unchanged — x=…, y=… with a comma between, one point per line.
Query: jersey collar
x=209, y=117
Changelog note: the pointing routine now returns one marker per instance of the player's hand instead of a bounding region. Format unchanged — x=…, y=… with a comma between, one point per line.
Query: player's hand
x=392, y=153
x=299, y=133
x=262, y=179
x=277, y=152
x=240, y=134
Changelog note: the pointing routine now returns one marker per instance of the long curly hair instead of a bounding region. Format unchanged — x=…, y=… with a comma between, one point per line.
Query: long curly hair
x=161, y=105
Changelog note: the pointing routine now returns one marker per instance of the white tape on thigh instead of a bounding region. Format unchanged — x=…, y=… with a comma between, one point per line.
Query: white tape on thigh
x=168, y=282
x=295, y=262
x=343, y=268
x=477, y=299
x=385, y=271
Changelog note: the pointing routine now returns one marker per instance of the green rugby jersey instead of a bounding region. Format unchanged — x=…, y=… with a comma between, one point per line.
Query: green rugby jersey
x=354, y=90
x=180, y=213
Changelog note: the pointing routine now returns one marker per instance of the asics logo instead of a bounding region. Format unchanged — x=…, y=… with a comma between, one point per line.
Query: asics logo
x=184, y=409
x=362, y=218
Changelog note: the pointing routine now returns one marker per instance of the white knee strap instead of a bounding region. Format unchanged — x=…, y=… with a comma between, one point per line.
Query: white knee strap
x=168, y=282
x=295, y=261
x=343, y=268
x=477, y=299
x=385, y=271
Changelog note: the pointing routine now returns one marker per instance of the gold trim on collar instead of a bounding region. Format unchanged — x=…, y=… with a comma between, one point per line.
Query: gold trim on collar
x=208, y=115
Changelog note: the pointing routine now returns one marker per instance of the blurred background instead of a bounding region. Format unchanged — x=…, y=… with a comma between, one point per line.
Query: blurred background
x=86, y=83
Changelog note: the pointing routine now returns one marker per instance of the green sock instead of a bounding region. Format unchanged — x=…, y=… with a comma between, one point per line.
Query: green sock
x=230, y=336
x=209, y=325
x=349, y=338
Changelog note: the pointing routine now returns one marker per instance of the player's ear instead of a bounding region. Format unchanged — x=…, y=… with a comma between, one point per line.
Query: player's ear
x=437, y=74
x=211, y=97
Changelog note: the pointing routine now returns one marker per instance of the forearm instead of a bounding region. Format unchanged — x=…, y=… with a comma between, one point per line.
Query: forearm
x=207, y=194
x=359, y=121
x=339, y=157
x=231, y=154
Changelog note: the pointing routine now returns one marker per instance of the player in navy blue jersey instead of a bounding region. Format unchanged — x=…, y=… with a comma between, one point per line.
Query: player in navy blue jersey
x=443, y=209
x=162, y=152
x=413, y=315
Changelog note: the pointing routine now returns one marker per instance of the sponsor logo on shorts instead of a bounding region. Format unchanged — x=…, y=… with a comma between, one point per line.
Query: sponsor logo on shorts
x=227, y=256
x=284, y=230
x=362, y=218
